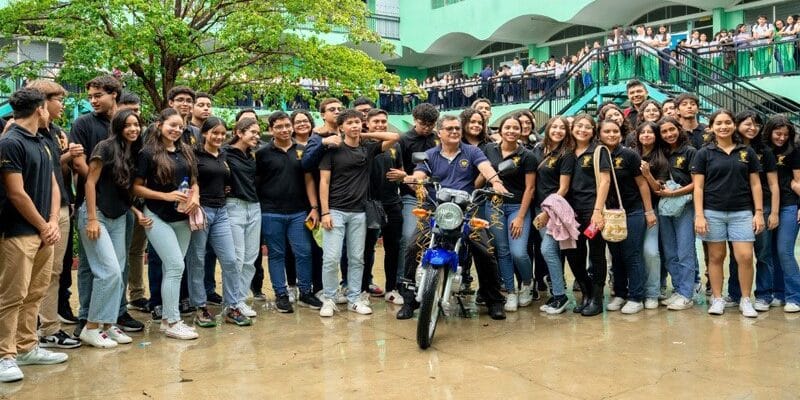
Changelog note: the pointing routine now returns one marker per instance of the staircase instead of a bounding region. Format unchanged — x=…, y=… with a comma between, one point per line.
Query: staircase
x=716, y=87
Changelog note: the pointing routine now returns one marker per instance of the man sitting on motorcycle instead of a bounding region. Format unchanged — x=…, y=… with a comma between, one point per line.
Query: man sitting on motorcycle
x=456, y=165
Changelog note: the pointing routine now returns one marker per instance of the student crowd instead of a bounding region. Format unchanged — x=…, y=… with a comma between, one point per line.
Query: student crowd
x=189, y=192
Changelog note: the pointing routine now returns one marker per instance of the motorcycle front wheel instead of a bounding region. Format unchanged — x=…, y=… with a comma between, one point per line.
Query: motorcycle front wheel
x=430, y=308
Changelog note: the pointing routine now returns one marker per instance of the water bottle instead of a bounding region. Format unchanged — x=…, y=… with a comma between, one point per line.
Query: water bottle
x=183, y=188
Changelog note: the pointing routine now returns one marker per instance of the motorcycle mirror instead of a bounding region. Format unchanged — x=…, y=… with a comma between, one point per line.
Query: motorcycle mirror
x=506, y=167
x=419, y=157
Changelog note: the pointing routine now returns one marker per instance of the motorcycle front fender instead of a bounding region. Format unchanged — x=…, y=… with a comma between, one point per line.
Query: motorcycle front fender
x=440, y=258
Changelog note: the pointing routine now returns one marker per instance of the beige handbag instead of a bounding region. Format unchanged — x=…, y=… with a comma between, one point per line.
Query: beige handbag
x=616, y=221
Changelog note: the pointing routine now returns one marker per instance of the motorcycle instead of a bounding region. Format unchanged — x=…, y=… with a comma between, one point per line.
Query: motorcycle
x=439, y=273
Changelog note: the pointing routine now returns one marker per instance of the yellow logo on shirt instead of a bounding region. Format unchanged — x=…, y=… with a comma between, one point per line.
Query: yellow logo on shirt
x=586, y=161
x=706, y=137
x=679, y=161
x=516, y=160
x=463, y=163
x=393, y=153
x=781, y=160
x=299, y=154
x=617, y=162
x=551, y=162
x=743, y=156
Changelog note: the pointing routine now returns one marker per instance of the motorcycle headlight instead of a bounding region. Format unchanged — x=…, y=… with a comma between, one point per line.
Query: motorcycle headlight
x=448, y=216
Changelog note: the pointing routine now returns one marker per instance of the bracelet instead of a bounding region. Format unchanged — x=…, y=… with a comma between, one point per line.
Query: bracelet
x=324, y=214
x=315, y=207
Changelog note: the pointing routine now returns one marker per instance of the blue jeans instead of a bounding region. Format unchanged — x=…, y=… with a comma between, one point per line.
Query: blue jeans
x=278, y=229
x=353, y=226
x=245, y=220
x=105, y=257
x=409, y=228
x=218, y=234
x=170, y=240
x=764, y=266
x=680, y=253
x=511, y=253
x=786, y=271
x=652, y=263
x=551, y=252
x=627, y=261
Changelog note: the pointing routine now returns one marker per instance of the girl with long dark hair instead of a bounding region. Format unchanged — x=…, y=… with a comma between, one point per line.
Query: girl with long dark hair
x=102, y=221
x=164, y=164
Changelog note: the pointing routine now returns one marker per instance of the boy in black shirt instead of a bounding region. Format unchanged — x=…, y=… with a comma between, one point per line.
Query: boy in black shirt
x=29, y=231
x=344, y=180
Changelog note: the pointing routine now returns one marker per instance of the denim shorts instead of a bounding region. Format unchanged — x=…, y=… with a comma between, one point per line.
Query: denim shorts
x=733, y=226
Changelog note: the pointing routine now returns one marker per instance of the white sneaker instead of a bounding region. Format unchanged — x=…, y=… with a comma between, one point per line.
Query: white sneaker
x=761, y=305
x=746, y=307
x=632, y=307
x=651, y=303
x=292, y=297
x=341, y=296
x=729, y=302
x=512, y=302
x=179, y=330
x=328, y=308
x=670, y=299
x=680, y=303
x=717, y=306
x=360, y=307
x=40, y=356
x=393, y=297
x=776, y=303
x=525, y=297
x=117, y=335
x=9, y=370
x=249, y=312
x=97, y=338
x=791, y=308
x=615, y=304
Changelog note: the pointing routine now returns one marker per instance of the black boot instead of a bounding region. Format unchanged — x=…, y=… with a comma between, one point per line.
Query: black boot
x=595, y=305
x=586, y=291
x=409, y=301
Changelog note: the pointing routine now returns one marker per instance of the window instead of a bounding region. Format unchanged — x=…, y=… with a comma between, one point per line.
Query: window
x=666, y=13
x=573, y=31
x=498, y=47
x=443, y=3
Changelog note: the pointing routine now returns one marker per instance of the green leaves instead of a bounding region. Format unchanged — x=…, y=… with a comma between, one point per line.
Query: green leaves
x=224, y=47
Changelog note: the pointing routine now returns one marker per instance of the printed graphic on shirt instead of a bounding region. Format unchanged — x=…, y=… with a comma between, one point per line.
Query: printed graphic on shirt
x=679, y=160
x=299, y=154
x=516, y=160
x=781, y=160
x=586, y=161
x=618, y=162
x=743, y=156
x=463, y=163
x=551, y=162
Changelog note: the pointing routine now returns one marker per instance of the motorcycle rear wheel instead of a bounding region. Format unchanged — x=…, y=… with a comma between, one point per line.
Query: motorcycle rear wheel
x=430, y=308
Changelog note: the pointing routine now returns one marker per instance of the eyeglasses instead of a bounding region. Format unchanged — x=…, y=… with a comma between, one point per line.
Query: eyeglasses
x=185, y=100
x=334, y=109
x=282, y=127
x=97, y=96
x=301, y=121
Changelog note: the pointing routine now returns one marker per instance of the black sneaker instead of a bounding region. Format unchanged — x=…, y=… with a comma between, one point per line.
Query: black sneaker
x=79, y=328
x=128, y=324
x=157, y=314
x=142, y=305
x=67, y=317
x=60, y=340
x=310, y=301
x=214, y=298
x=283, y=305
x=185, y=309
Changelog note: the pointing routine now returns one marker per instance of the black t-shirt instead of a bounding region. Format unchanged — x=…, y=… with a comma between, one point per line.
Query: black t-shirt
x=191, y=135
x=51, y=134
x=786, y=164
x=627, y=166
x=680, y=164
x=410, y=143
x=381, y=188
x=766, y=158
x=660, y=176
x=513, y=181
x=280, y=179
x=549, y=170
x=88, y=130
x=28, y=154
x=699, y=137
x=242, y=180
x=349, y=168
x=583, y=186
x=212, y=173
x=727, y=177
x=147, y=170
x=111, y=199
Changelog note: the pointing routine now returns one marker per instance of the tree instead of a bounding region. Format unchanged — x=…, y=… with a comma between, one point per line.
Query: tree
x=223, y=47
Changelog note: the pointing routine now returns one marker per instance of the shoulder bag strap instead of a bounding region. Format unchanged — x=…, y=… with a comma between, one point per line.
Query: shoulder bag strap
x=596, y=163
